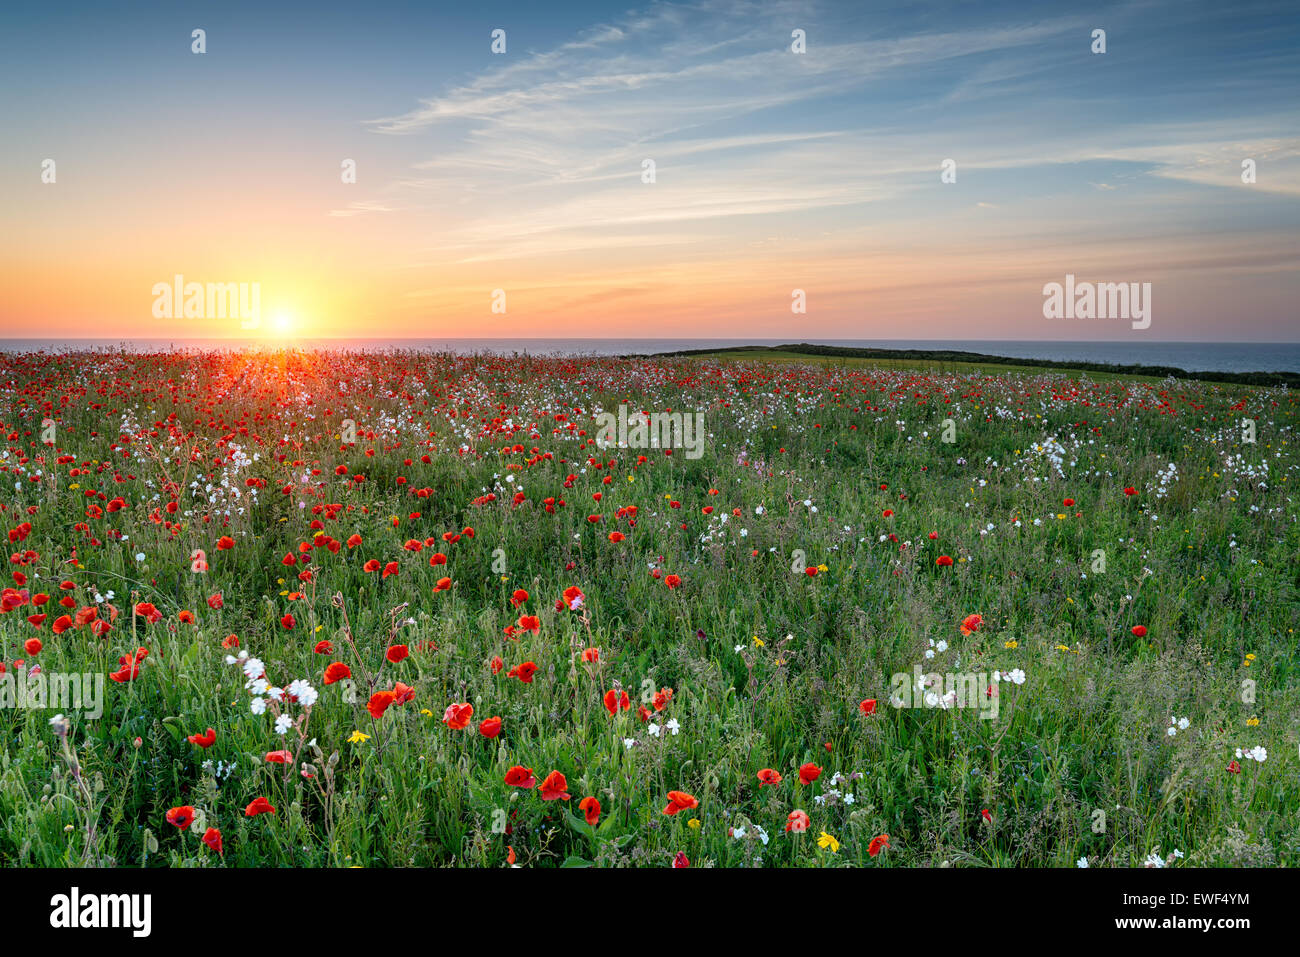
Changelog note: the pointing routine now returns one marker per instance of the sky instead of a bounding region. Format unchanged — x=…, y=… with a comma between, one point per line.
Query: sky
x=523, y=171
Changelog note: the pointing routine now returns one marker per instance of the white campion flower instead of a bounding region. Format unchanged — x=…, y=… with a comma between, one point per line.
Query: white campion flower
x=1016, y=676
x=1081, y=862
x=672, y=726
x=258, y=705
x=283, y=723
x=305, y=694
x=653, y=730
x=253, y=668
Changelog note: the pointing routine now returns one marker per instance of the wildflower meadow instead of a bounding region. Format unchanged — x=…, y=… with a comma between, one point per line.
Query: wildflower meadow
x=274, y=608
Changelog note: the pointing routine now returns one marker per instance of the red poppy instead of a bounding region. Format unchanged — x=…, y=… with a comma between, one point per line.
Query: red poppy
x=878, y=844
x=809, y=773
x=673, y=581
x=520, y=777
x=523, y=672
x=590, y=808
x=868, y=706
x=680, y=801
x=287, y=622
x=258, y=806
x=337, y=671
x=616, y=700
x=212, y=838
x=768, y=776
x=32, y=646
x=530, y=623
x=519, y=597
x=458, y=715
x=553, y=788
x=379, y=702
x=1140, y=631
x=205, y=740
x=279, y=757
x=181, y=817
x=490, y=727
x=397, y=653
x=797, y=822
x=971, y=624
x=943, y=561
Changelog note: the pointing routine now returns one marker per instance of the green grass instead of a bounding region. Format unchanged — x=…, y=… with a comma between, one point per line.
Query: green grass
x=767, y=665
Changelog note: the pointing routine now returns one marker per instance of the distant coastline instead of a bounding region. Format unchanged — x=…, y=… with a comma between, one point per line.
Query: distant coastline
x=814, y=351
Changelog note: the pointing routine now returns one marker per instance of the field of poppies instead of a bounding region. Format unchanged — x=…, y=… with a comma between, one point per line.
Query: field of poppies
x=391, y=609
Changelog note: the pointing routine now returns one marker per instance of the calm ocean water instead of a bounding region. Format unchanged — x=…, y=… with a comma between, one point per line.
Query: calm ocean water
x=1192, y=356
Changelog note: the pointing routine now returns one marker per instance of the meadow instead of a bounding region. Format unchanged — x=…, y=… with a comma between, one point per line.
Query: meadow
x=394, y=609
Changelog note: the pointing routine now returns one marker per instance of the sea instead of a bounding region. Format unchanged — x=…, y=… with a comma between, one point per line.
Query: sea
x=1190, y=356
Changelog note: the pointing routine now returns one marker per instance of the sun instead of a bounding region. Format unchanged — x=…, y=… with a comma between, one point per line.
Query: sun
x=282, y=323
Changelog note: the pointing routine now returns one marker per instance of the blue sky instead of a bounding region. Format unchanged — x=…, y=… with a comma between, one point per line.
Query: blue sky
x=774, y=171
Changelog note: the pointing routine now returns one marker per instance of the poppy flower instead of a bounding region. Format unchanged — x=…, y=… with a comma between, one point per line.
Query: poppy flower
x=971, y=624
x=681, y=860
x=673, y=581
x=216, y=601
x=204, y=740
x=809, y=773
x=490, y=727
x=458, y=715
x=1140, y=631
x=797, y=822
x=878, y=844
x=212, y=838
x=324, y=648
x=378, y=703
x=279, y=757
x=590, y=809
x=62, y=624
x=553, y=787
x=225, y=543
x=1130, y=490
x=258, y=806
x=32, y=646
x=680, y=801
x=768, y=776
x=530, y=623
x=402, y=693
x=520, y=777
x=337, y=671
x=868, y=706
x=987, y=815
x=1234, y=767
x=287, y=622
x=397, y=653
x=616, y=700
x=943, y=561
x=443, y=584
x=523, y=672
x=574, y=598
x=519, y=597
x=181, y=817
